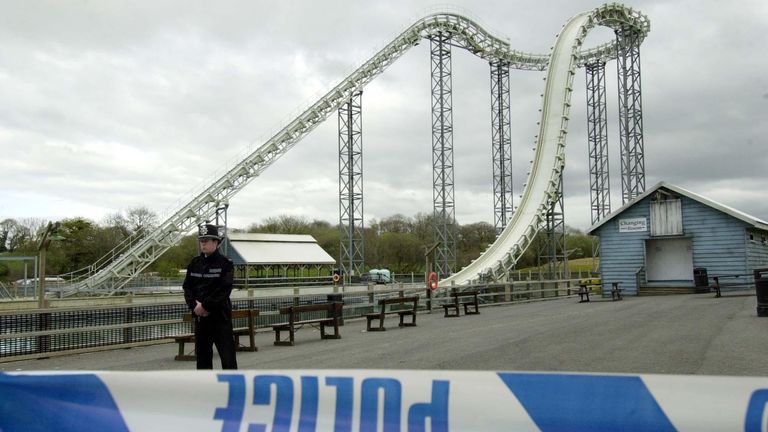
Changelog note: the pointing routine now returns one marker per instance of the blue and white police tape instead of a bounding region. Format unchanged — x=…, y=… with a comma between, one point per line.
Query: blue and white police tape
x=377, y=400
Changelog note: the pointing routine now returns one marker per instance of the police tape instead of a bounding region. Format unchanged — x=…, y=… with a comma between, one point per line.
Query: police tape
x=377, y=400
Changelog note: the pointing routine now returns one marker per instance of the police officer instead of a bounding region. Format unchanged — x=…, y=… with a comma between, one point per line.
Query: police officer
x=207, y=287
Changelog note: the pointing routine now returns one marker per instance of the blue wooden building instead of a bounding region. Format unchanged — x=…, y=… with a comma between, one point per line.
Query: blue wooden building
x=656, y=242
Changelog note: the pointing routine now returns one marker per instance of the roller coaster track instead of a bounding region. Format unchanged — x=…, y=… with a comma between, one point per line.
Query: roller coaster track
x=112, y=272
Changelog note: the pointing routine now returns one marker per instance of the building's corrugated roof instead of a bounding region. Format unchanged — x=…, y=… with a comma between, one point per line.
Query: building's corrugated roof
x=749, y=219
x=265, y=249
x=267, y=237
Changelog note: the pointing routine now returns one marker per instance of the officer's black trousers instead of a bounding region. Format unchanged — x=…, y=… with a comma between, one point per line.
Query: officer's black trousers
x=214, y=330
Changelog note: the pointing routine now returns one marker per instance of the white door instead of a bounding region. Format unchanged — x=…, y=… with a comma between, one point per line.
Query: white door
x=669, y=260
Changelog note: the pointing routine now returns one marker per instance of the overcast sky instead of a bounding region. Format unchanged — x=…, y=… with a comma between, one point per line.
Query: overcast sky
x=109, y=105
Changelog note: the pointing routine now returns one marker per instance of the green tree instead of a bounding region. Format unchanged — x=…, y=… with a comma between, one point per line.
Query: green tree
x=13, y=235
x=473, y=240
x=177, y=257
x=424, y=228
x=327, y=237
x=400, y=252
x=372, y=256
x=283, y=224
x=579, y=245
x=394, y=224
x=82, y=245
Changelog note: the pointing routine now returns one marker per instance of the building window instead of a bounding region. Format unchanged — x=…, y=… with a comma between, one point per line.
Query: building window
x=666, y=218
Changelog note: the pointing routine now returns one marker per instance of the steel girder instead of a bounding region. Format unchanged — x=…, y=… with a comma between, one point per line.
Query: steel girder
x=221, y=221
x=442, y=154
x=351, y=224
x=501, y=145
x=597, y=135
x=467, y=34
x=553, y=253
x=630, y=115
x=614, y=16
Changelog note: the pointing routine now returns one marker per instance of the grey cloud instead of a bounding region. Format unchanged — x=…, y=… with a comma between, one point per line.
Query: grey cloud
x=178, y=87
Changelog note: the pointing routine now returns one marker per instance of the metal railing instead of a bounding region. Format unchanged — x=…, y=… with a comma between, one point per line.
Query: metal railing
x=4, y=293
x=732, y=283
x=640, y=278
x=40, y=333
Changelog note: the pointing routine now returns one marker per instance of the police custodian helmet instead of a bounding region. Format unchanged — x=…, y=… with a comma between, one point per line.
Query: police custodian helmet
x=208, y=231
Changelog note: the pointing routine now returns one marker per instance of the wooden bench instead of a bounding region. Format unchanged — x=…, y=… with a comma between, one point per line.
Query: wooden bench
x=583, y=292
x=588, y=286
x=333, y=311
x=383, y=312
x=615, y=291
x=249, y=331
x=454, y=305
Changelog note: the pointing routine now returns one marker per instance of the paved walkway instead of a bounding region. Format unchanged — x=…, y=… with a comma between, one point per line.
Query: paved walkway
x=685, y=334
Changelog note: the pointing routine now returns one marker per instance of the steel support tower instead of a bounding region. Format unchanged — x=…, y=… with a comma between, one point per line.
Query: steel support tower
x=351, y=243
x=630, y=114
x=442, y=154
x=553, y=254
x=597, y=135
x=501, y=145
x=222, y=224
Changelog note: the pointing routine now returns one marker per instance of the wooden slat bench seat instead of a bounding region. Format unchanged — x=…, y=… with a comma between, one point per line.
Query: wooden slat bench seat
x=471, y=306
x=383, y=312
x=583, y=292
x=295, y=322
x=182, y=340
x=248, y=330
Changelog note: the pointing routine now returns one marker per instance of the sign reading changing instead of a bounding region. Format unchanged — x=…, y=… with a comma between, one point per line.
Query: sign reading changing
x=633, y=225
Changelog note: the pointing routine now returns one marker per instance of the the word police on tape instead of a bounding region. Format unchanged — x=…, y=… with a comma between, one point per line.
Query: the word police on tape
x=378, y=400
x=372, y=392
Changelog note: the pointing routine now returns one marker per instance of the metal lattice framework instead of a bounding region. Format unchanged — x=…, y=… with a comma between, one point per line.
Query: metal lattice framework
x=553, y=253
x=531, y=214
x=501, y=145
x=597, y=135
x=351, y=224
x=113, y=271
x=442, y=154
x=630, y=113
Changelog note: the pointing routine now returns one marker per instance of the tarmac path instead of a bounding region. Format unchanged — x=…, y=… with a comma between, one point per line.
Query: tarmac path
x=683, y=334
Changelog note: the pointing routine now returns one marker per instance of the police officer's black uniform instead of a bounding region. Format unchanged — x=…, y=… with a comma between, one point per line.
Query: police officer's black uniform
x=209, y=281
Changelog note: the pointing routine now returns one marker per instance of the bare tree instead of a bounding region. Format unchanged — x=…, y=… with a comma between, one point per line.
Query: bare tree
x=36, y=227
x=132, y=221
x=118, y=222
x=14, y=235
x=395, y=224
x=6, y=227
x=141, y=218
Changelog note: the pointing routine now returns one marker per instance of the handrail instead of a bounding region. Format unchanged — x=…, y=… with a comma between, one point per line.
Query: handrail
x=38, y=333
x=638, y=278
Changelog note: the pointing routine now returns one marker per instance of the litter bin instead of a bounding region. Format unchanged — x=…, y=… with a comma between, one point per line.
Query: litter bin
x=761, y=286
x=700, y=279
x=336, y=298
